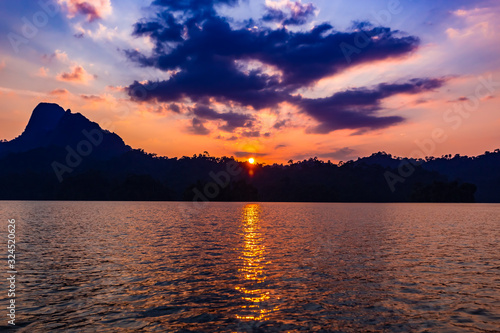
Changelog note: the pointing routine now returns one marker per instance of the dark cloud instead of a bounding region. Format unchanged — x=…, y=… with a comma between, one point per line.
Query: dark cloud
x=232, y=138
x=251, y=134
x=174, y=108
x=274, y=15
x=207, y=57
x=193, y=5
x=247, y=154
x=279, y=147
x=206, y=66
x=198, y=127
x=88, y=10
x=233, y=120
x=421, y=101
x=164, y=109
x=356, y=108
x=280, y=124
x=296, y=14
x=139, y=58
x=166, y=29
x=93, y=98
x=217, y=78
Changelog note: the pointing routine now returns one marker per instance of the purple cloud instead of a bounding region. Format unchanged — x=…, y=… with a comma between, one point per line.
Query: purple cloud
x=207, y=54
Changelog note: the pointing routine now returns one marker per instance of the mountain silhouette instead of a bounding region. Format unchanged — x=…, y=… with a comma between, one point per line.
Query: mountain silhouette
x=64, y=156
x=51, y=126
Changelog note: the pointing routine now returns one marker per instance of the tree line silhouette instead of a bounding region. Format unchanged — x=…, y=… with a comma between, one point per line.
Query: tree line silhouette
x=64, y=156
x=137, y=175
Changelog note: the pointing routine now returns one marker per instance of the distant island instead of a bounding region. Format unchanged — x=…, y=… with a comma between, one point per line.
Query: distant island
x=64, y=156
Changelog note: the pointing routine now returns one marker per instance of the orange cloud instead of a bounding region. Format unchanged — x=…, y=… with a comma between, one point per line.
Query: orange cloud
x=58, y=55
x=78, y=75
x=91, y=9
x=93, y=98
x=481, y=24
x=61, y=56
x=59, y=92
x=43, y=72
x=115, y=88
x=96, y=102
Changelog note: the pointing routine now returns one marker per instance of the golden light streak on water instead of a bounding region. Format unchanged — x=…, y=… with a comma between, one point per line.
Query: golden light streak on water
x=253, y=268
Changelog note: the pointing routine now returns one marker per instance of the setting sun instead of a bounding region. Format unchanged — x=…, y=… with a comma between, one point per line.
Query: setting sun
x=251, y=160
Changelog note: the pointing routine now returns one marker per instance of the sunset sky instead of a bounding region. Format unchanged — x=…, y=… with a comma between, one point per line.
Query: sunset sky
x=273, y=79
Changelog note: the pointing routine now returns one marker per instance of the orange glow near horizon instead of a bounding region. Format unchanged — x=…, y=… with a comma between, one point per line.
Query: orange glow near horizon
x=67, y=71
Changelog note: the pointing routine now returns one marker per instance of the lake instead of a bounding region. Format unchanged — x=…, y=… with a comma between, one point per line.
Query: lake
x=263, y=267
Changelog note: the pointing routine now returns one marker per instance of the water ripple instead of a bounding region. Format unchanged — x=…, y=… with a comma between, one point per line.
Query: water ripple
x=234, y=267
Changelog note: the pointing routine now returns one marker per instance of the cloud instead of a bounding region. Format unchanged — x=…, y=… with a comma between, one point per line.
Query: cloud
x=233, y=120
x=168, y=108
x=288, y=12
x=232, y=138
x=167, y=29
x=2, y=64
x=78, y=74
x=345, y=153
x=92, y=9
x=481, y=23
x=92, y=98
x=460, y=99
x=98, y=32
x=219, y=79
x=198, y=128
x=58, y=55
x=59, y=92
x=115, y=88
x=97, y=102
x=174, y=108
x=356, y=108
x=43, y=72
x=251, y=134
x=193, y=6
x=207, y=68
x=248, y=154
x=281, y=124
x=208, y=59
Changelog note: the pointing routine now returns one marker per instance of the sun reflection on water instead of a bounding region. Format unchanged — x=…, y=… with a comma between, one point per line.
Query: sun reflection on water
x=252, y=270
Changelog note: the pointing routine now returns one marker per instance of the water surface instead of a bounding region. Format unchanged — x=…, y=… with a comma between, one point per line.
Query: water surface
x=236, y=267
